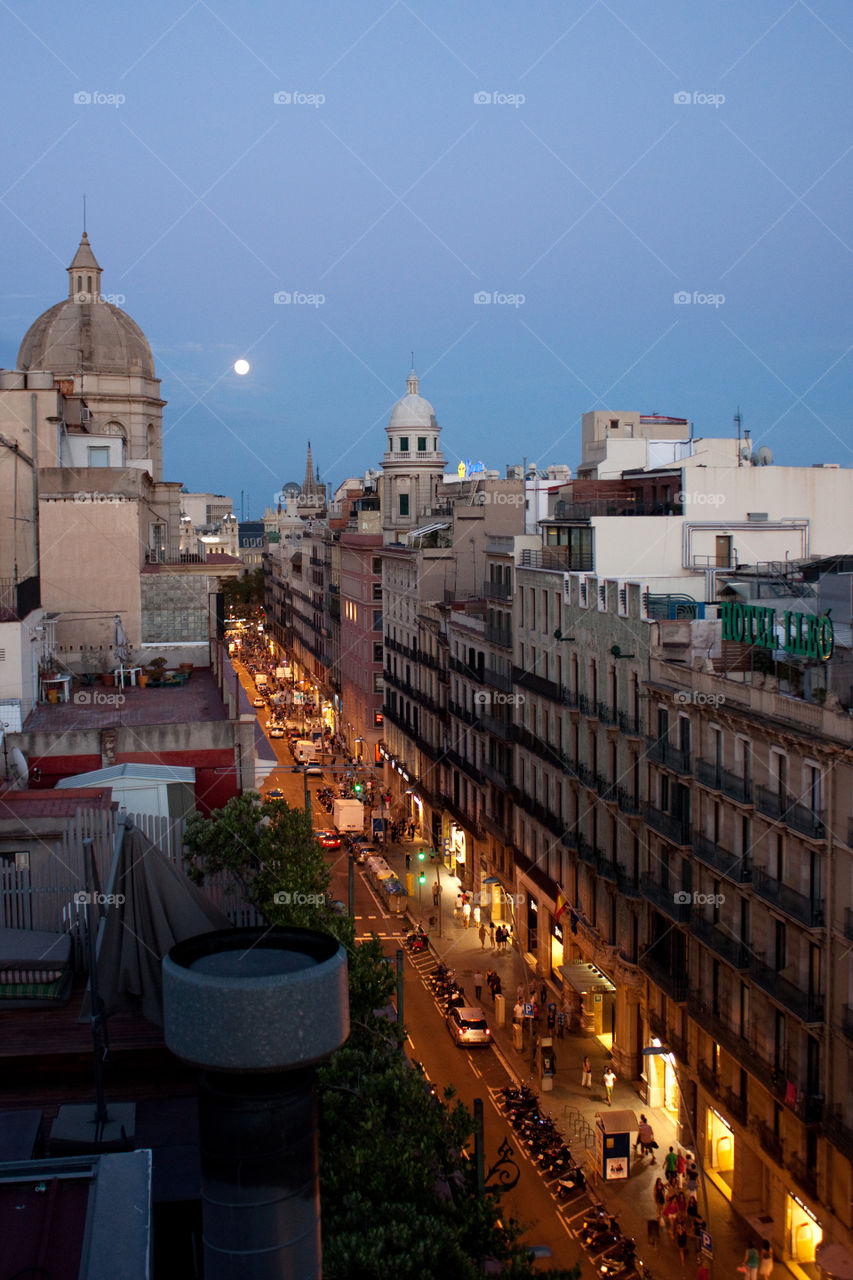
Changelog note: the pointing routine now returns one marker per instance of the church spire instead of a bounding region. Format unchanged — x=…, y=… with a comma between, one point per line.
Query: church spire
x=412, y=383
x=309, y=487
x=84, y=274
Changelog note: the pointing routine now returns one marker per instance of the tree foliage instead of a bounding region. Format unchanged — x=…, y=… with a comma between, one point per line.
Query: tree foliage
x=398, y=1187
x=238, y=593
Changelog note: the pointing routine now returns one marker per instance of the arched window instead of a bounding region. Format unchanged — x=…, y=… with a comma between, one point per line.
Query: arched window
x=88, y=284
x=79, y=284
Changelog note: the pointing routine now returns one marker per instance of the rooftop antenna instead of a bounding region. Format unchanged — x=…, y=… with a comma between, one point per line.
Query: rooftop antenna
x=84, y=213
x=739, y=422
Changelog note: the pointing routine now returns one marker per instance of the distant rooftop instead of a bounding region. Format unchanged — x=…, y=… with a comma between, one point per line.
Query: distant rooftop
x=197, y=700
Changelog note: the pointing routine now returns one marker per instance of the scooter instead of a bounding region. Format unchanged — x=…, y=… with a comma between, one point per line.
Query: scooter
x=570, y=1185
x=600, y=1239
x=621, y=1261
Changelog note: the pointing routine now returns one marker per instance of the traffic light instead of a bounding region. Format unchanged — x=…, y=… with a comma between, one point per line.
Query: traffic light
x=421, y=855
x=422, y=877
x=357, y=788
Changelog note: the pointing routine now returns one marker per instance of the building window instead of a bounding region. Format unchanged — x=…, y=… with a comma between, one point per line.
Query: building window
x=404, y=444
x=378, y=682
x=99, y=455
x=377, y=566
x=377, y=651
x=377, y=619
x=377, y=591
x=404, y=504
x=422, y=444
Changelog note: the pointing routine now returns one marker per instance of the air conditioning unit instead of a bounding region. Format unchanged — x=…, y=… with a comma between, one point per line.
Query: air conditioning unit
x=602, y=597
x=623, y=600
x=583, y=593
x=85, y=414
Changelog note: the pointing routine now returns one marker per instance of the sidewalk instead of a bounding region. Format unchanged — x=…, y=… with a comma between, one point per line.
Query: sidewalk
x=632, y=1199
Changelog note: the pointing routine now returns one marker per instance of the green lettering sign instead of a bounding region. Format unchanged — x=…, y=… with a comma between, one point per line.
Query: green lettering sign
x=803, y=634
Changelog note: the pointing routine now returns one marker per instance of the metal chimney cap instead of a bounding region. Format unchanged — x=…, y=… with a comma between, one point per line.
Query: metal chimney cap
x=255, y=999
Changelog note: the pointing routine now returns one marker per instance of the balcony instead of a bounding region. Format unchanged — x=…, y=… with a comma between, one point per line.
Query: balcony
x=848, y=923
x=629, y=884
x=607, y=867
x=561, y=558
x=733, y=785
x=630, y=725
x=493, y=724
x=670, y=825
x=497, y=590
x=587, y=853
x=498, y=777
x=678, y=1045
x=709, y=1079
x=531, y=742
x=722, y=944
x=587, y=706
x=788, y=900
x=627, y=803
x=462, y=668
x=607, y=714
x=537, y=684
x=805, y=1178
x=838, y=1132
x=722, y=860
x=497, y=679
x=808, y=1008
x=569, y=697
x=672, y=985
x=735, y=1104
x=728, y=1037
x=667, y=898
x=663, y=752
x=465, y=765
x=499, y=636
x=783, y=808
x=770, y=1142
x=461, y=713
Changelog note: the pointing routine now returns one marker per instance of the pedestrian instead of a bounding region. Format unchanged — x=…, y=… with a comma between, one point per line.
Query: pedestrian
x=482, y=932
x=670, y=1213
x=543, y=994
x=551, y=1020
x=680, y=1166
x=519, y=991
x=518, y=1014
x=681, y=1241
x=765, y=1259
x=477, y=915
x=491, y=933
x=490, y=981
x=466, y=913
x=498, y=989
x=659, y=1194
x=702, y=1272
x=409, y=863
x=609, y=1078
x=751, y=1261
x=646, y=1139
x=691, y=1177
x=536, y=1013
x=670, y=1165
x=478, y=984
x=586, y=1074
x=436, y=892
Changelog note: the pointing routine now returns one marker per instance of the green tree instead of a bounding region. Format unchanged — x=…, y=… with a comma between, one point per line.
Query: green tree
x=398, y=1189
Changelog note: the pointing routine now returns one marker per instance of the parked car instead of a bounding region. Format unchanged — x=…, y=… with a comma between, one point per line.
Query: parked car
x=275, y=794
x=329, y=839
x=468, y=1028
x=364, y=851
x=259, y=701
x=276, y=731
x=314, y=770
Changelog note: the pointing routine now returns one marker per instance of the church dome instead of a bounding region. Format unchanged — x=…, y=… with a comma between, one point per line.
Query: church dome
x=412, y=410
x=84, y=333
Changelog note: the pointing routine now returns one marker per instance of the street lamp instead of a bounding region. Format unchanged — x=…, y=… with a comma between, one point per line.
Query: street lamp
x=661, y=1051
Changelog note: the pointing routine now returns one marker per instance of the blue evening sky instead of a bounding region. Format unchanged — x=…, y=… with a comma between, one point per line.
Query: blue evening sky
x=580, y=195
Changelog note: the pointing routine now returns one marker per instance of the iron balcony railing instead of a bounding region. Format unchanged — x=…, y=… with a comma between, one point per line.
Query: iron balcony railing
x=498, y=777
x=808, y=911
x=497, y=590
x=663, y=752
x=497, y=679
x=671, y=825
x=629, y=884
x=808, y=1008
x=770, y=1141
x=804, y=1176
x=672, y=900
x=500, y=636
x=784, y=808
x=631, y=725
x=735, y=786
x=732, y=950
x=671, y=984
x=537, y=684
x=722, y=860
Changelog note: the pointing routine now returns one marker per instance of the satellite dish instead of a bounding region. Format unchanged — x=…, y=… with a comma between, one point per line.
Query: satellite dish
x=18, y=766
x=746, y=453
x=764, y=456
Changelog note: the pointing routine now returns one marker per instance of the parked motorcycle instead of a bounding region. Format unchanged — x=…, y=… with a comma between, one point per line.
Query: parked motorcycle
x=619, y=1262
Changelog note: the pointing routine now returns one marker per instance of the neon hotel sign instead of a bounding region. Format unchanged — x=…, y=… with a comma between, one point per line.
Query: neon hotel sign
x=803, y=634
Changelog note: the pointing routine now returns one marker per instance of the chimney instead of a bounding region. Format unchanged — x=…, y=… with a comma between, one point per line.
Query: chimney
x=256, y=1010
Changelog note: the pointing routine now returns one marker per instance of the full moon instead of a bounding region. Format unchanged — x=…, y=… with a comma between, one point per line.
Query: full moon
x=241, y=366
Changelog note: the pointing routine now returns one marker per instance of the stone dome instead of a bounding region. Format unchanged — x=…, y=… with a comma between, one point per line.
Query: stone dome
x=84, y=333
x=412, y=410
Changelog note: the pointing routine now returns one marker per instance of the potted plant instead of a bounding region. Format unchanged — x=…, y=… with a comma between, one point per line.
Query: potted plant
x=107, y=671
x=156, y=670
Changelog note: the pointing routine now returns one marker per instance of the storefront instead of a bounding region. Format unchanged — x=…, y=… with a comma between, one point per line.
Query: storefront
x=556, y=940
x=593, y=1000
x=803, y=1230
x=720, y=1151
x=455, y=848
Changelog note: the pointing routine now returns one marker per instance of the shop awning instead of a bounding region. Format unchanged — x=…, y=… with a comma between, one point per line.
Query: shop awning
x=491, y=880
x=584, y=978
